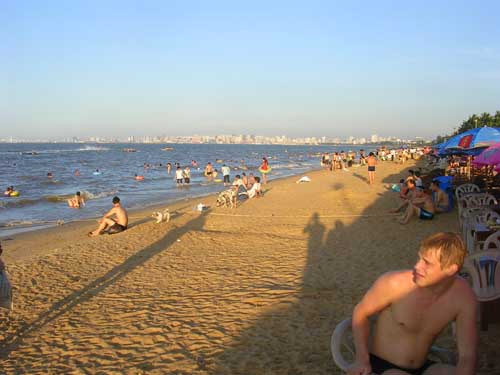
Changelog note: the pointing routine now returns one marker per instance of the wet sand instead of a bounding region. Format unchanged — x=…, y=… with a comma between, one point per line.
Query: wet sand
x=253, y=290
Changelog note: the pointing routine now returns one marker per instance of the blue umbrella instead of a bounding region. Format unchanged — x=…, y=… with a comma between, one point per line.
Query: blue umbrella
x=471, y=142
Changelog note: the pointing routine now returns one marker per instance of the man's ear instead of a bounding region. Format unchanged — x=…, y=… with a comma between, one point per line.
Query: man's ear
x=452, y=269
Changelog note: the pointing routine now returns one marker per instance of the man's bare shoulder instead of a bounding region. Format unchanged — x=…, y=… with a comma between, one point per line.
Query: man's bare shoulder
x=463, y=291
x=397, y=278
x=395, y=282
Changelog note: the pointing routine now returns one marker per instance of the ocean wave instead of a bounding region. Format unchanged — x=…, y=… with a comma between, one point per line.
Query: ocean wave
x=20, y=202
x=103, y=194
x=16, y=202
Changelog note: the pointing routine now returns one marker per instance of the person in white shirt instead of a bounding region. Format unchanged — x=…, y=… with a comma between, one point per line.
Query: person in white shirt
x=255, y=189
x=179, y=176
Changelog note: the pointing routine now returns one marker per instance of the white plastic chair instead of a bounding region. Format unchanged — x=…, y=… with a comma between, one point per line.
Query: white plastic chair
x=477, y=217
x=493, y=240
x=464, y=189
x=343, y=350
x=484, y=271
x=483, y=199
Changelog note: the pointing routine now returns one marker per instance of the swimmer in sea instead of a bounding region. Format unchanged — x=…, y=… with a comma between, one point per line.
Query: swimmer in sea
x=77, y=172
x=8, y=191
x=77, y=201
x=49, y=175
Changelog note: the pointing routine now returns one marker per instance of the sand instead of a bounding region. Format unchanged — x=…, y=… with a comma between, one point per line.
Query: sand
x=253, y=290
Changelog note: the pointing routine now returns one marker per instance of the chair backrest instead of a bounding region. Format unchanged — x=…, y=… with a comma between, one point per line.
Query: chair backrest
x=484, y=271
x=484, y=199
x=484, y=215
x=466, y=188
x=493, y=241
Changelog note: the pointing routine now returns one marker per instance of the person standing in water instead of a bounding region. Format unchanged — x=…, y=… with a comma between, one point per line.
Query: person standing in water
x=264, y=169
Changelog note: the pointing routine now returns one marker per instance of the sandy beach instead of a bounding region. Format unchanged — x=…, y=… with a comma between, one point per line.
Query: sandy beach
x=253, y=290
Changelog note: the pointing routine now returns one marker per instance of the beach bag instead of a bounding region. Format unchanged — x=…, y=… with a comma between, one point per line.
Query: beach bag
x=5, y=291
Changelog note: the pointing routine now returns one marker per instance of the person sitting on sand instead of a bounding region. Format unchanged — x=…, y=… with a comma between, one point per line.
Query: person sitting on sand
x=256, y=189
x=441, y=200
x=77, y=201
x=113, y=225
x=421, y=206
x=251, y=180
x=244, y=179
x=408, y=197
x=412, y=307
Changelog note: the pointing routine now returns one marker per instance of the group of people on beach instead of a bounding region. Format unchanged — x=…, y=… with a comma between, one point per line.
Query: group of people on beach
x=416, y=201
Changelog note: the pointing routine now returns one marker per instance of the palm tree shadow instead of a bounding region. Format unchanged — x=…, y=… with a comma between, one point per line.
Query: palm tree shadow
x=66, y=304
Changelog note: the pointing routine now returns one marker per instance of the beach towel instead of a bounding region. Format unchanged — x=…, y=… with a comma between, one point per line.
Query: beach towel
x=5, y=291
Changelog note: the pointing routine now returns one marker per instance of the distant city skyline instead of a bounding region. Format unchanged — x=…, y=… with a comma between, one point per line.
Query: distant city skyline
x=319, y=68
x=226, y=139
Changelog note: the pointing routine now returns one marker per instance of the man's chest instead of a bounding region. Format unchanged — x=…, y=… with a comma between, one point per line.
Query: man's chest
x=418, y=316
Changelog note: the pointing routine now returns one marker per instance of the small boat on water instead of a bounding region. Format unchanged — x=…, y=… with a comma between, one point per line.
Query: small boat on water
x=167, y=149
x=129, y=150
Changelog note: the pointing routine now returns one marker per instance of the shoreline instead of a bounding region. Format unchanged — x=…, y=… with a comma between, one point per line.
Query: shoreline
x=137, y=216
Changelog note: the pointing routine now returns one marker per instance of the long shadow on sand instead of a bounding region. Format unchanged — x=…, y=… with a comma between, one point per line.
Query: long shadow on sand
x=11, y=342
x=341, y=264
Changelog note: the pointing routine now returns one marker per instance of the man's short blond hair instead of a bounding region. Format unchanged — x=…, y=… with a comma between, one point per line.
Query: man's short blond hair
x=448, y=247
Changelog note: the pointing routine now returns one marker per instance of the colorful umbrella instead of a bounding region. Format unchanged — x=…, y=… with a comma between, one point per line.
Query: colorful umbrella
x=471, y=141
x=490, y=156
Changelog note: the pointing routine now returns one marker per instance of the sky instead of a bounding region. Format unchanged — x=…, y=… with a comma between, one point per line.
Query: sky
x=297, y=68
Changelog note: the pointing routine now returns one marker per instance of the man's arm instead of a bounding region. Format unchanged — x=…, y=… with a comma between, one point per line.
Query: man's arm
x=379, y=296
x=109, y=213
x=467, y=336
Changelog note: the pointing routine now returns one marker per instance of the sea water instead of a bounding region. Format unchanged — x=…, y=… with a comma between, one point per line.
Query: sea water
x=43, y=200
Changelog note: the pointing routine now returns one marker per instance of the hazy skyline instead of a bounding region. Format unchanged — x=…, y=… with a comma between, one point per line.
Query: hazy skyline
x=119, y=68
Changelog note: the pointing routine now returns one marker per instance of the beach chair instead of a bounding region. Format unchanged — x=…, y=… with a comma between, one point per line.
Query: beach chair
x=478, y=217
x=343, y=351
x=465, y=189
x=483, y=271
x=493, y=240
x=483, y=199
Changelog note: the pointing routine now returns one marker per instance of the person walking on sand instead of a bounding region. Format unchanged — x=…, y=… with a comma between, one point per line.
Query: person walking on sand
x=114, y=221
x=412, y=307
x=264, y=169
x=371, y=160
x=77, y=201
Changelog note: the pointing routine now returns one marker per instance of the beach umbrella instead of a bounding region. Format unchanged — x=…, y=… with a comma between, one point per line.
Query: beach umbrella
x=473, y=141
x=489, y=156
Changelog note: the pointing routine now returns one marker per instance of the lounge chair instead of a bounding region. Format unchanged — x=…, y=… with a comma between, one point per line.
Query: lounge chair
x=343, y=351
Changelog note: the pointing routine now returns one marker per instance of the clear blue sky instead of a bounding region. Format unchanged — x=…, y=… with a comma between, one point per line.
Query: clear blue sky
x=301, y=68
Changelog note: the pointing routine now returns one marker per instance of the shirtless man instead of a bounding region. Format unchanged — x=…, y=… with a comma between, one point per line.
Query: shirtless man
x=413, y=307
x=117, y=224
x=209, y=170
x=77, y=201
x=410, y=194
x=421, y=206
x=441, y=200
x=371, y=160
